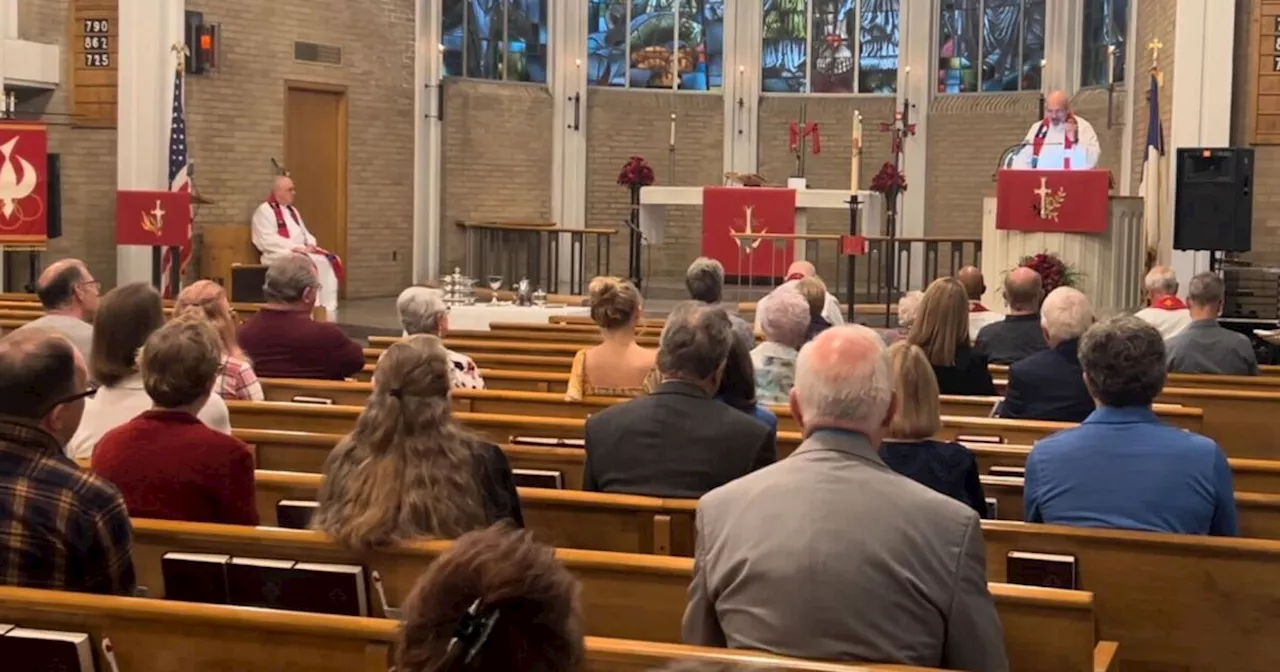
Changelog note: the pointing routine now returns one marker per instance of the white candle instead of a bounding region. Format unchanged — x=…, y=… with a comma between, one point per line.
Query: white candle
x=855, y=163
x=671, y=144
x=1111, y=64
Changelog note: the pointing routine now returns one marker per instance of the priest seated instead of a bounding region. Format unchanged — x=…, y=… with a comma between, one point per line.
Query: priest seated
x=1061, y=141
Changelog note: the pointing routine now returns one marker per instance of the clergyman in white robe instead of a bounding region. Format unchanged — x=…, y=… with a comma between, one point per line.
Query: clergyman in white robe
x=1061, y=134
x=272, y=245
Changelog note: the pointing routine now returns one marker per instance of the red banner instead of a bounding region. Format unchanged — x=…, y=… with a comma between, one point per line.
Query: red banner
x=765, y=210
x=154, y=218
x=1072, y=201
x=24, y=187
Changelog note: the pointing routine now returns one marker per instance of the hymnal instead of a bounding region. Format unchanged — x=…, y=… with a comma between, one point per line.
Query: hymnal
x=1016, y=472
x=538, y=478
x=303, y=399
x=328, y=589
x=295, y=514
x=259, y=582
x=27, y=650
x=195, y=577
x=1046, y=570
x=963, y=438
x=545, y=441
x=993, y=508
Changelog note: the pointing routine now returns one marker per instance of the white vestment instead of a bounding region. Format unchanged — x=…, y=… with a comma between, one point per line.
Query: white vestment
x=273, y=246
x=1055, y=143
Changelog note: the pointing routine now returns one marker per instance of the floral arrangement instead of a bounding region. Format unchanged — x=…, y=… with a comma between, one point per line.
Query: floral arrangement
x=636, y=173
x=889, y=180
x=1054, y=272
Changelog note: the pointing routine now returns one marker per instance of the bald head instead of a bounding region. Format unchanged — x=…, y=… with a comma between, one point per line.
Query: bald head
x=843, y=380
x=38, y=370
x=282, y=190
x=974, y=285
x=801, y=269
x=67, y=286
x=1057, y=107
x=1022, y=291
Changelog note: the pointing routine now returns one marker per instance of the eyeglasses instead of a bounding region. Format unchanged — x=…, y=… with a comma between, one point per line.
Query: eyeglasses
x=86, y=394
x=96, y=284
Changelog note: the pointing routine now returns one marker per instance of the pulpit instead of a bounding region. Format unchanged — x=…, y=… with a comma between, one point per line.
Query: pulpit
x=1070, y=214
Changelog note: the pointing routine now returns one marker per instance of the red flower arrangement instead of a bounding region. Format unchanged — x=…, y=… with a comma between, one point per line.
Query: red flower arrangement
x=1054, y=272
x=889, y=180
x=636, y=173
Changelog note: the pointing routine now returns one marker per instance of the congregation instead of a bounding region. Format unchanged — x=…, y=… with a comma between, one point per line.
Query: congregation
x=112, y=411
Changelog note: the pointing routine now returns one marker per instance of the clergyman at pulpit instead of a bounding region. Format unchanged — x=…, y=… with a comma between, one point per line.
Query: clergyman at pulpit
x=1062, y=140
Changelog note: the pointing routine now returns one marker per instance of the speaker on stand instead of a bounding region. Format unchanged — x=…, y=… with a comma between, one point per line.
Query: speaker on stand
x=1213, y=206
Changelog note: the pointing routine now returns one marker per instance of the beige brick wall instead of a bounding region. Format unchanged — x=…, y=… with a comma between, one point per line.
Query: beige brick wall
x=88, y=155
x=496, y=159
x=1155, y=22
x=622, y=123
x=236, y=124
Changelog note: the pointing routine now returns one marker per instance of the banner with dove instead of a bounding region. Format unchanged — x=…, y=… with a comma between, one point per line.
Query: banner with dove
x=24, y=188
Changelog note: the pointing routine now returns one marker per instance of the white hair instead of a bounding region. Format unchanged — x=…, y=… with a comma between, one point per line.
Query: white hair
x=1066, y=314
x=1162, y=280
x=420, y=310
x=784, y=316
x=909, y=307
x=831, y=385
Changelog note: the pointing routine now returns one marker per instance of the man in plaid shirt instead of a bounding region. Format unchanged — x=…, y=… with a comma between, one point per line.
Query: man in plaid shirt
x=61, y=527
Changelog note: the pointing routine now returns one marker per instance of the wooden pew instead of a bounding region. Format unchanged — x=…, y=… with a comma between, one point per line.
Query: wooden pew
x=623, y=595
x=1268, y=373
x=512, y=361
x=149, y=635
x=1174, y=602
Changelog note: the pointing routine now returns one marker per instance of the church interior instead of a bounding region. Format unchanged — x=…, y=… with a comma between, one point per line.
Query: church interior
x=429, y=239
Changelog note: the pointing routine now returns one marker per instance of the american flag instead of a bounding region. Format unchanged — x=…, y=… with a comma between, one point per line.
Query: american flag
x=179, y=180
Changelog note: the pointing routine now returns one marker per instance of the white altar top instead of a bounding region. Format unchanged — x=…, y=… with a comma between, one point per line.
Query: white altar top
x=655, y=199
x=477, y=317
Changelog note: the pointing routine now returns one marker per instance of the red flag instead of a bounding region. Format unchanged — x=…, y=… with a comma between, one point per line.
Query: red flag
x=766, y=210
x=24, y=189
x=154, y=218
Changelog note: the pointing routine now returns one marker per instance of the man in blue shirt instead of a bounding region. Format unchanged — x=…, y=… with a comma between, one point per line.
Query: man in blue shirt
x=1123, y=467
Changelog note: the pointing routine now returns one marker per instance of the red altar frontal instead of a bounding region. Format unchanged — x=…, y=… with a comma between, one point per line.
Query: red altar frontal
x=729, y=210
x=1066, y=201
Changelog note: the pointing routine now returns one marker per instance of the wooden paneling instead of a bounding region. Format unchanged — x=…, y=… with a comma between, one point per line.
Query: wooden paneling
x=94, y=36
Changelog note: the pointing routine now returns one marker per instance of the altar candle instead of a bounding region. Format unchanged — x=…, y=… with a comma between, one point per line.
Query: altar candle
x=1111, y=64
x=855, y=163
x=671, y=143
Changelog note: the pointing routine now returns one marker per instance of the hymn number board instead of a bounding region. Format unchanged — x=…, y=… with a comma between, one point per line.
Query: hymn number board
x=94, y=35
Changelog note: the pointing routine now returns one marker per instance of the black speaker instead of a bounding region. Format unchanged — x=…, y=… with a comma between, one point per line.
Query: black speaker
x=1213, y=207
x=54, y=185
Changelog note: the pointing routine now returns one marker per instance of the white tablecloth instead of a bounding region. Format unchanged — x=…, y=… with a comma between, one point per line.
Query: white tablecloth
x=478, y=317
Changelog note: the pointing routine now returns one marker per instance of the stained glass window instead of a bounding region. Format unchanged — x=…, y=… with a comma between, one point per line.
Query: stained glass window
x=1105, y=25
x=656, y=43
x=990, y=45
x=853, y=43
x=495, y=39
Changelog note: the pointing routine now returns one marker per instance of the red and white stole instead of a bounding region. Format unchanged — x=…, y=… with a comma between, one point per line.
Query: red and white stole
x=977, y=307
x=1168, y=303
x=283, y=229
x=1038, y=144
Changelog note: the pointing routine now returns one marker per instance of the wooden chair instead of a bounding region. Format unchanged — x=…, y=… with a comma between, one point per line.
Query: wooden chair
x=623, y=595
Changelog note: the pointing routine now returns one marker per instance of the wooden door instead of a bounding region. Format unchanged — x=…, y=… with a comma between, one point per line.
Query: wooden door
x=315, y=153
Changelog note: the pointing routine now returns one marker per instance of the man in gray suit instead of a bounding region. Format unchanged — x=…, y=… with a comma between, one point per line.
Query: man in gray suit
x=829, y=554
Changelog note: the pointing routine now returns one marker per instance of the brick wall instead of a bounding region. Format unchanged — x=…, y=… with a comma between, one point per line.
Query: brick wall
x=622, y=123
x=496, y=159
x=236, y=124
x=88, y=156
x=1155, y=22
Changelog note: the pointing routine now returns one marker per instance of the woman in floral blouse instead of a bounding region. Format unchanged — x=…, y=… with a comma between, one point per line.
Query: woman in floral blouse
x=208, y=300
x=784, y=319
x=422, y=310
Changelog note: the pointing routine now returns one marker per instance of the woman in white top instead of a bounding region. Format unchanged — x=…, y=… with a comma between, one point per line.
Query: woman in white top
x=127, y=316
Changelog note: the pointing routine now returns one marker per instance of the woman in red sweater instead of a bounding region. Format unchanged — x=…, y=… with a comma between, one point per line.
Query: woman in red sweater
x=166, y=462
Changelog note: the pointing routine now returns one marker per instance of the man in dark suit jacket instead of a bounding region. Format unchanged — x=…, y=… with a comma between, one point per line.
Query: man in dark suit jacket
x=1049, y=385
x=678, y=441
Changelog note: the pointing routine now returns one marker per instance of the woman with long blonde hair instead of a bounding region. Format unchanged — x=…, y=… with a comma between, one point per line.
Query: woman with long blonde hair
x=910, y=449
x=409, y=470
x=941, y=330
x=207, y=300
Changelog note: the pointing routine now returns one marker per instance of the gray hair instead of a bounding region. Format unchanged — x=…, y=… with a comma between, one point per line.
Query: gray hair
x=705, y=280
x=909, y=308
x=695, y=341
x=420, y=310
x=1066, y=314
x=784, y=316
x=289, y=277
x=1206, y=289
x=1161, y=280
x=854, y=390
x=1124, y=361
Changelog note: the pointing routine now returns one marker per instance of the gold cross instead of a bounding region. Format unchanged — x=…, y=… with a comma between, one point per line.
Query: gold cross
x=182, y=52
x=1155, y=46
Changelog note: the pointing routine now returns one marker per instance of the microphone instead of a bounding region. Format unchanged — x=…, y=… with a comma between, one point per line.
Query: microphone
x=1008, y=156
